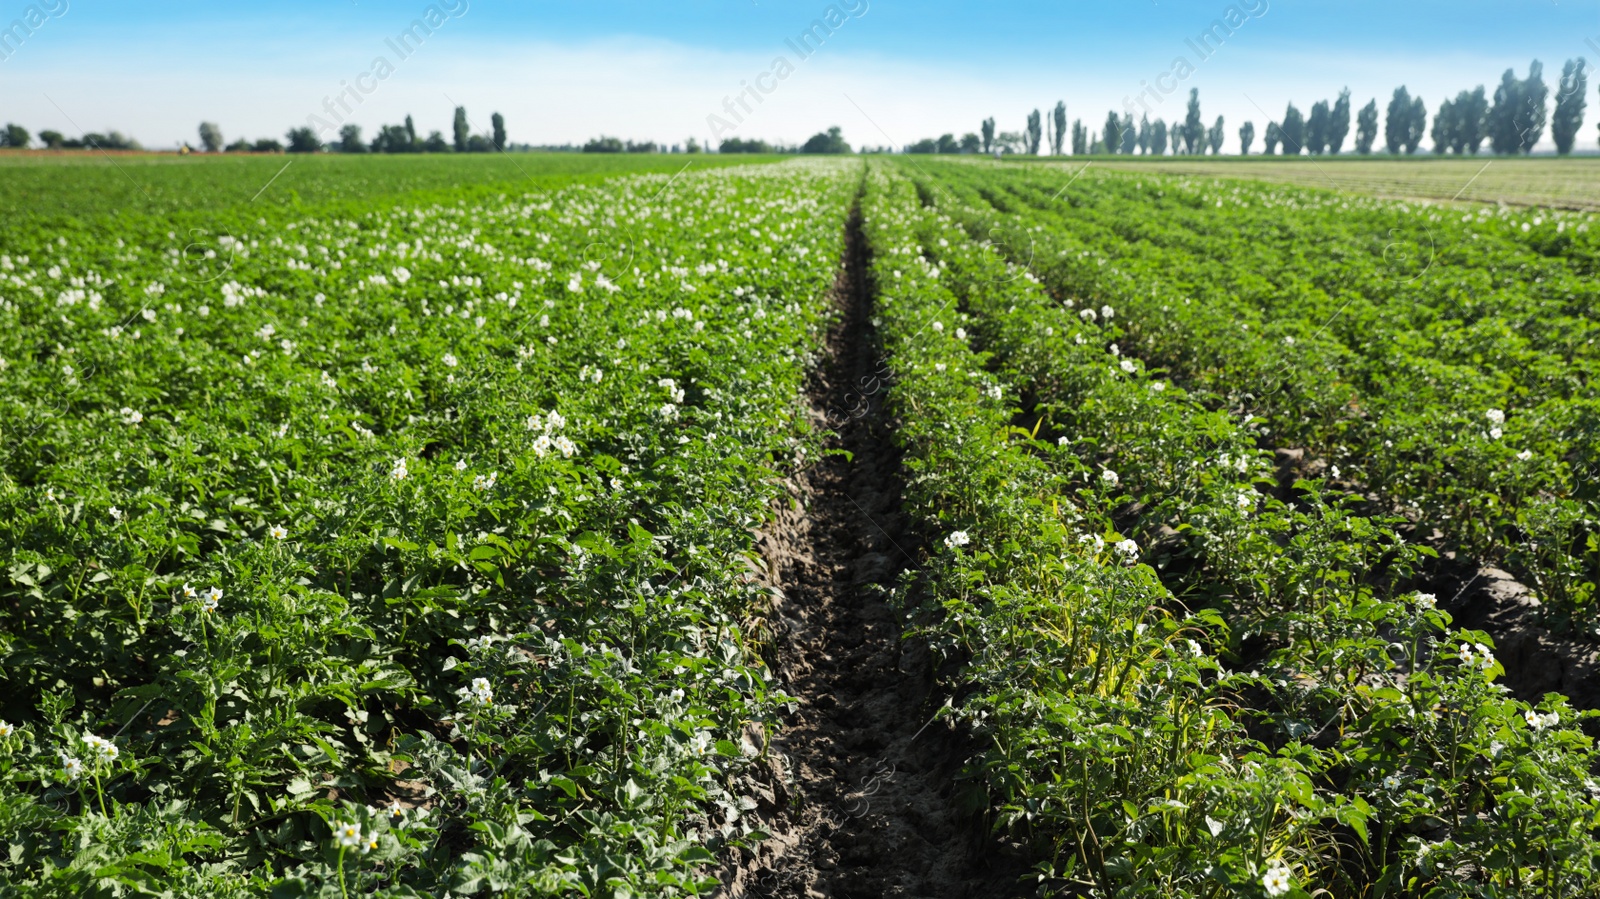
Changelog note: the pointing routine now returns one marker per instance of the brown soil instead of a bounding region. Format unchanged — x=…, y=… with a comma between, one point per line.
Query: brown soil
x=1537, y=659
x=861, y=795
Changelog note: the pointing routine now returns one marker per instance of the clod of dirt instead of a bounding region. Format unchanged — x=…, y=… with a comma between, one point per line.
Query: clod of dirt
x=1537, y=660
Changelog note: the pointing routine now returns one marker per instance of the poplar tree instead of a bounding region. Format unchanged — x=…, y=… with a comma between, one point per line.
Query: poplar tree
x=1366, y=127
x=1570, y=102
x=1502, y=115
x=1339, y=122
x=1531, y=116
x=1317, y=128
x=1397, y=124
x=1471, y=113
x=461, y=129
x=1193, y=128
x=1416, y=125
x=1444, y=122
x=1292, y=131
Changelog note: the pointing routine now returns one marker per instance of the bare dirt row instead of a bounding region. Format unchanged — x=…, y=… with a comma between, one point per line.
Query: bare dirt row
x=861, y=793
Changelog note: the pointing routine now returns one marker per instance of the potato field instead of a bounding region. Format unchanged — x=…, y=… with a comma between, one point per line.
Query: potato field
x=830, y=527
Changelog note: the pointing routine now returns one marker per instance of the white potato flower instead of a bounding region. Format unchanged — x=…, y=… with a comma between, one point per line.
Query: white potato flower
x=104, y=750
x=71, y=767
x=1276, y=880
x=479, y=693
x=1129, y=550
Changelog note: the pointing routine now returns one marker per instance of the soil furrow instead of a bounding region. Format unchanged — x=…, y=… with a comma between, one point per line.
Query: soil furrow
x=862, y=796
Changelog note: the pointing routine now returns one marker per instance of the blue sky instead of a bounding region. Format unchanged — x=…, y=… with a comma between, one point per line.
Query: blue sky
x=892, y=71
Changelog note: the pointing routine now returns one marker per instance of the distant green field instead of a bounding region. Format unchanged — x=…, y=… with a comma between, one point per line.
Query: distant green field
x=1567, y=183
x=45, y=188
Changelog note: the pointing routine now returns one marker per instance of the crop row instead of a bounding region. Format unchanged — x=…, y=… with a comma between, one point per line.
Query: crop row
x=1456, y=384
x=1191, y=681
x=403, y=551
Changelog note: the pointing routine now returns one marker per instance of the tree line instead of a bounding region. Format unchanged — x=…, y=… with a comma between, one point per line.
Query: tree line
x=401, y=138
x=404, y=138
x=14, y=135
x=1511, y=122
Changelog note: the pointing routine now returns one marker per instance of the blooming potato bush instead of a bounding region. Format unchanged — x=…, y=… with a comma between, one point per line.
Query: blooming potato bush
x=376, y=563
